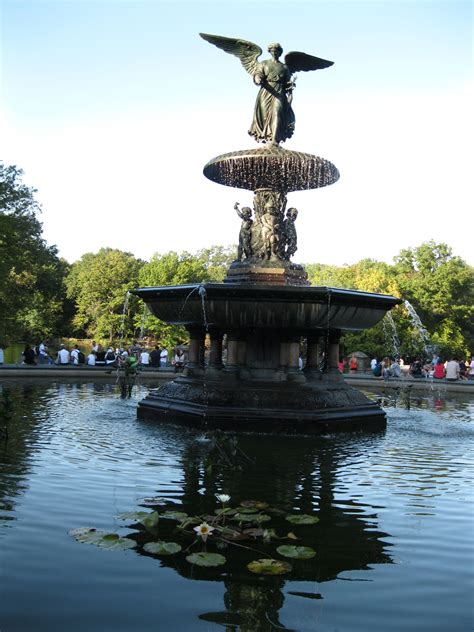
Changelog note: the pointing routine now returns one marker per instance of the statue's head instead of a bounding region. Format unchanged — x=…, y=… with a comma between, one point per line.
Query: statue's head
x=292, y=213
x=247, y=212
x=275, y=49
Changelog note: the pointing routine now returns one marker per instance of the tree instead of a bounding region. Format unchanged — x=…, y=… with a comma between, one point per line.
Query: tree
x=171, y=268
x=440, y=286
x=32, y=292
x=98, y=283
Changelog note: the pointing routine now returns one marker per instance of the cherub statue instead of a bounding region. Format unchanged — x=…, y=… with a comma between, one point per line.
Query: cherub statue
x=289, y=232
x=245, y=235
x=273, y=119
x=270, y=237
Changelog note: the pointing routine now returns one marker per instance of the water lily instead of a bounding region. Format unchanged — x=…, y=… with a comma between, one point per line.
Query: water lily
x=203, y=530
x=223, y=498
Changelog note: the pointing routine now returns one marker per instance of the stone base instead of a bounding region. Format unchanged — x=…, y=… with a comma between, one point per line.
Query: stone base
x=312, y=407
x=267, y=272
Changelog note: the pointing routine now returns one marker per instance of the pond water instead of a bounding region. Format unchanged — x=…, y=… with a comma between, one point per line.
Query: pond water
x=394, y=545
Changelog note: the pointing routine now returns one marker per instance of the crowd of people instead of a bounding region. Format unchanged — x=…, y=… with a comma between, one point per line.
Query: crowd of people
x=98, y=355
x=451, y=369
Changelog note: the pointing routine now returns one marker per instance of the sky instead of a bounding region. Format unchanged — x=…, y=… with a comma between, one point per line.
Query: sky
x=112, y=109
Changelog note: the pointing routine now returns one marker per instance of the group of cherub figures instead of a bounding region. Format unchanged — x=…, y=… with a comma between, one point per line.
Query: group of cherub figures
x=270, y=235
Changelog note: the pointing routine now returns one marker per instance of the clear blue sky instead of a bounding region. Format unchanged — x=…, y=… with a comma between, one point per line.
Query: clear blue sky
x=112, y=109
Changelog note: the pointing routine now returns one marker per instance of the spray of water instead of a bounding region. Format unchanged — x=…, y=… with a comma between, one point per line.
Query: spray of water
x=420, y=329
x=391, y=334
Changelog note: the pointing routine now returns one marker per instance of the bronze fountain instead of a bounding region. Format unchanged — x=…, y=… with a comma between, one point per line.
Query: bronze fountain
x=265, y=307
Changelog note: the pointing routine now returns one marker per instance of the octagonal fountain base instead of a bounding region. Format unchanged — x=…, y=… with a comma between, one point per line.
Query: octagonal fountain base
x=323, y=405
x=258, y=385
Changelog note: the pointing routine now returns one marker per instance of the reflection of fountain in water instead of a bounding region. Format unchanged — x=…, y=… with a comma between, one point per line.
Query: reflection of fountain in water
x=305, y=479
x=391, y=334
x=423, y=334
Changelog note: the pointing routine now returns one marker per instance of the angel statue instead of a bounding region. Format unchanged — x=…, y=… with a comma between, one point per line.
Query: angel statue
x=273, y=119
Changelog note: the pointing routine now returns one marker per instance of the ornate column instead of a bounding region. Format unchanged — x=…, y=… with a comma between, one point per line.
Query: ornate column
x=333, y=352
x=196, y=350
x=293, y=370
x=313, y=359
x=232, y=364
x=215, y=365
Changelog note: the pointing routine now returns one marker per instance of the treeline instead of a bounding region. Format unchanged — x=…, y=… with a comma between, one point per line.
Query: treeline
x=41, y=295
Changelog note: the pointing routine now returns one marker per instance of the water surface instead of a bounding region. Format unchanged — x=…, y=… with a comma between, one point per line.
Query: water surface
x=394, y=542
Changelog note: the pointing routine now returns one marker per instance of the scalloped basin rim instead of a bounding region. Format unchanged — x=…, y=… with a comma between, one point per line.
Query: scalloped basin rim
x=239, y=291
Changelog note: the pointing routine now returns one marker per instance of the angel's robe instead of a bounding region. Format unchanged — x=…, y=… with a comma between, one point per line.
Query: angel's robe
x=273, y=119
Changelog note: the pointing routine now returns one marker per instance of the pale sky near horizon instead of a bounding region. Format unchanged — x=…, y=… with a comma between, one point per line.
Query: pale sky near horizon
x=112, y=108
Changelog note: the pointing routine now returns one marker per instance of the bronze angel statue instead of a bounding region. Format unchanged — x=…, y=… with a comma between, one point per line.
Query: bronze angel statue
x=273, y=119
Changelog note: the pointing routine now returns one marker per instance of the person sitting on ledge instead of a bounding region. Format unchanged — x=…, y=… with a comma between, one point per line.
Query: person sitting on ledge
x=28, y=356
x=452, y=370
x=63, y=355
x=439, y=371
x=91, y=358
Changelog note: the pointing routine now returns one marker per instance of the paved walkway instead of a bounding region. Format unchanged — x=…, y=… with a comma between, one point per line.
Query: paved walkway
x=359, y=380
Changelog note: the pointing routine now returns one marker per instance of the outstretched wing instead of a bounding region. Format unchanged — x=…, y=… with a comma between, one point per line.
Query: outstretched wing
x=247, y=52
x=301, y=61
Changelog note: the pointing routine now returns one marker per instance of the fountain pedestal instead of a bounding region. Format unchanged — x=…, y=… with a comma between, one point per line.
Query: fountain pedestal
x=260, y=385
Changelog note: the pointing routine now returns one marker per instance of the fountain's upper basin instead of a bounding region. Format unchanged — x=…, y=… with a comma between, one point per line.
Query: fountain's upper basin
x=271, y=167
x=239, y=306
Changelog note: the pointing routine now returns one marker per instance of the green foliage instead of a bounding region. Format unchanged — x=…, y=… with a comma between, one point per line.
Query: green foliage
x=171, y=268
x=98, y=283
x=441, y=288
x=439, y=285
x=32, y=291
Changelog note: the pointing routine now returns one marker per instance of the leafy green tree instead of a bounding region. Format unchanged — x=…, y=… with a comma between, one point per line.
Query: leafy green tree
x=441, y=288
x=32, y=291
x=98, y=283
x=171, y=268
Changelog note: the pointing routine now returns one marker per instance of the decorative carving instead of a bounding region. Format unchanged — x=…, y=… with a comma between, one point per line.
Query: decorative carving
x=245, y=235
x=273, y=119
x=272, y=236
x=288, y=246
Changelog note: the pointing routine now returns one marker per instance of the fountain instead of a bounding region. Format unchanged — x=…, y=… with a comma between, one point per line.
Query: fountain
x=265, y=307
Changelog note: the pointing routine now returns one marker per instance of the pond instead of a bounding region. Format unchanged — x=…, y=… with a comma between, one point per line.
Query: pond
x=388, y=515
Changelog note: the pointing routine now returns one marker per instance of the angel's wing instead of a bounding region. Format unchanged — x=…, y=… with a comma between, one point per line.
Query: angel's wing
x=301, y=61
x=247, y=52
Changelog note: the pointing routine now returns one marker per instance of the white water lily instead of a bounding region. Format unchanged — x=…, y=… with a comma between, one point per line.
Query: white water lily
x=203, y=530
x=223, y=498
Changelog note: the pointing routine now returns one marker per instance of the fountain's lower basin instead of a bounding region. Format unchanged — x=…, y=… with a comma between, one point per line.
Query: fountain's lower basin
x=259, y=385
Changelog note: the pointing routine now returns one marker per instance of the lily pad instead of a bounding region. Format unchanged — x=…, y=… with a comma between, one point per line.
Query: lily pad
x=247, y=510
x=296, y=552
x=302, y=519
x=259, y=518
x=257, y=504
x=150, y=521
x=138, y=516
x=206, y=559
x=174, y=515
x=269, y=567
x=162, y=548
x=110, y=541
x=153, y=500
x=243, y=517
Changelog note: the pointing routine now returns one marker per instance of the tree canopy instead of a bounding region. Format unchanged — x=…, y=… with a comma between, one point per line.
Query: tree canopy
x=32, y=292
x=43, y=295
